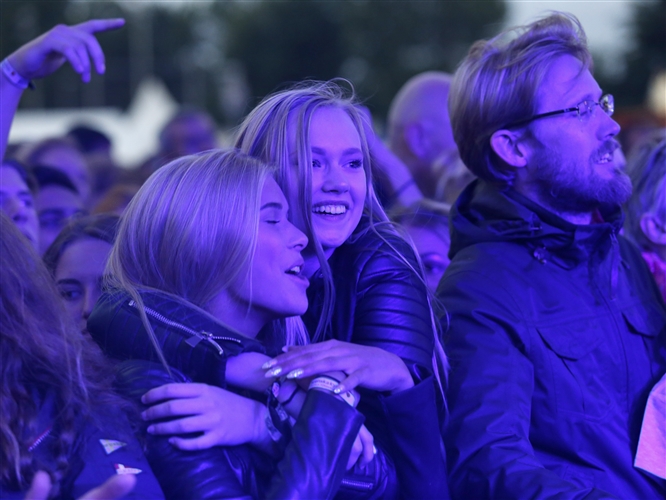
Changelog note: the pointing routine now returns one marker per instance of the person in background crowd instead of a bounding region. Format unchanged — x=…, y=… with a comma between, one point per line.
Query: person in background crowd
x=419, y=131
x=57, y=202
x=77, y=259
x=427, y=223
x=17, y=199
x=116, y=199
x=60, y=154
x=56, y=400
x=59, y=415
x=189, y=131
x=646, y=210
x=96, y=148
x=555, y=323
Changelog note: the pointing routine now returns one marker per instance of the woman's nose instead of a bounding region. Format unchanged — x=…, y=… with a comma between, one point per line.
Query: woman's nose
x=335, y=180
x=299, y=240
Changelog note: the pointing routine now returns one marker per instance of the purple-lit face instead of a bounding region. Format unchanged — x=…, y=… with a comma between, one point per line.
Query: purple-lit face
x=338, y=178
x=433, y=250
x=17, y=202
x=79, y=275
x=578, y=165
x=277, y=287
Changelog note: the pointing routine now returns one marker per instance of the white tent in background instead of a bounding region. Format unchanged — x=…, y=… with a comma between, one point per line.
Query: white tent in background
x=134, y=133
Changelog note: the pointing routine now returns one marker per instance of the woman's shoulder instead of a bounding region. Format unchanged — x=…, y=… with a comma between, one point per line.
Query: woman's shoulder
x=377, y=240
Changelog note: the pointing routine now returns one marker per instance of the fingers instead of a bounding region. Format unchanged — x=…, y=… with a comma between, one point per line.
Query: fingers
x=368, y=442
x=199, y=423
x=198, y=443
x=171, y=391
x=357, y=449
x=115, y=487
x=175, y=408
x=97, y=25
x=87, y=29
x=39, y=487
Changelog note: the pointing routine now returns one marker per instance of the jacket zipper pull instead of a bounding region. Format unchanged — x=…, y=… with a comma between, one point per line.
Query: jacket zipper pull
x=209, y=337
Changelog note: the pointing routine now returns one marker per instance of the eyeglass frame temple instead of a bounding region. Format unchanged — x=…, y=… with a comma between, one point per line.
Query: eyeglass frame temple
x=561, y=112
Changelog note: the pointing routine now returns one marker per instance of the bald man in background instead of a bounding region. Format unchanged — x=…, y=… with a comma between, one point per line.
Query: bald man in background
x=419, y=133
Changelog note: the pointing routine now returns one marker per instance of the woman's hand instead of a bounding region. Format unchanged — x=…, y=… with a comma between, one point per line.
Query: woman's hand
x=364, y=366
x=77, y=44
x=363, y=450
x=223, y=417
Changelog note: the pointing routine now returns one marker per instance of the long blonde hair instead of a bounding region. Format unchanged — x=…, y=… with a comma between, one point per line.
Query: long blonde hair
x=264, y=134
x=191, y=231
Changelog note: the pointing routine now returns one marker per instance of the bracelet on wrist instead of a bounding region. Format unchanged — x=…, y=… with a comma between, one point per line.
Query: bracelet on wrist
x=326, y=383
x=13, y=76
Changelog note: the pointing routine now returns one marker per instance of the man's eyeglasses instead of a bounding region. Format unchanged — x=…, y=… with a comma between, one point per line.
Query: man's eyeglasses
x=584, y=110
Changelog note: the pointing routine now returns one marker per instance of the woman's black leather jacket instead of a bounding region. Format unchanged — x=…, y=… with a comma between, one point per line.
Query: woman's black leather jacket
x=381, y=301
x=196, y=347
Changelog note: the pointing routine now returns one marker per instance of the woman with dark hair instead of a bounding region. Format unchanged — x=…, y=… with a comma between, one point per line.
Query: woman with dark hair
x=77, y=259
x=58, y=412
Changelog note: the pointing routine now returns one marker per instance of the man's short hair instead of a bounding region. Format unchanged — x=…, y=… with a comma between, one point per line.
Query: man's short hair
x=48, y=176
x=497, y=83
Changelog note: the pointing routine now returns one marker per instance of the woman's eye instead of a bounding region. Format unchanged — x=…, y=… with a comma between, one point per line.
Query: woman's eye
x=316, y=164
x=356, y=164
x=70, y=295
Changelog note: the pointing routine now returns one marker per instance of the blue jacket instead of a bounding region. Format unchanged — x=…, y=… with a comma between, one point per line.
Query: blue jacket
x=556, y=337
x=103, y=448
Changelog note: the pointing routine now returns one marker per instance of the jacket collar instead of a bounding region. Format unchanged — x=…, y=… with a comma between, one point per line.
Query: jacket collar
x=483, y=213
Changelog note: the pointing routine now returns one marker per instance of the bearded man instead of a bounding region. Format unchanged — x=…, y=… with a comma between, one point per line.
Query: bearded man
x=555, y=328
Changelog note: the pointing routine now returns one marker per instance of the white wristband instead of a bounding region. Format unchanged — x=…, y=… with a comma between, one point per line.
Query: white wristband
x=328, y=384
x=13, y=76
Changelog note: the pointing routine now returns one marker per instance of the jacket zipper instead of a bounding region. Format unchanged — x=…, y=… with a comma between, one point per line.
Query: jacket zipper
x=195, y=337
x=359, y=485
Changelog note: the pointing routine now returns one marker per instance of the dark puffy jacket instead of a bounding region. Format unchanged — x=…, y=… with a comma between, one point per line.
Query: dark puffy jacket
x=380, y=301
x=103, y=450
x=554, y=343
x=314, y=461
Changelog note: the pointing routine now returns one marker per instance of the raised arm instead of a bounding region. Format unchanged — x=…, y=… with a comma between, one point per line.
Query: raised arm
x=44, y=55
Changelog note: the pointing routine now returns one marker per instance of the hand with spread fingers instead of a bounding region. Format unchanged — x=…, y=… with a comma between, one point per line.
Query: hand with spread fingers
x=369, y=367
x=223, y=418
x=76, y=44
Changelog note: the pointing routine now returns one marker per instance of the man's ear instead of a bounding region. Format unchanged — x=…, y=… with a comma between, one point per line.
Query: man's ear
x=509, y=146
x=652, y=230
x=416, y=140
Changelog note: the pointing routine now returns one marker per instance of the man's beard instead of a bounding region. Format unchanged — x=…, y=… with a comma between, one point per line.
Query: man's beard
x=566, y=187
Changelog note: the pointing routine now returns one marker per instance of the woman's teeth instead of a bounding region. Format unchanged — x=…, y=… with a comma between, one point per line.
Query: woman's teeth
x=295, y=270
x=330, y=209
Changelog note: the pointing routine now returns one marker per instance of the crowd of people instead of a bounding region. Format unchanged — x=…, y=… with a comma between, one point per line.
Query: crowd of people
x=473, y=308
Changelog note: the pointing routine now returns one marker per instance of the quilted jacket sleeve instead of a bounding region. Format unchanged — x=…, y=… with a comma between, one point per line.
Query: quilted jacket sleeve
x=490, y=396
x=392, y=312
x=391, y=304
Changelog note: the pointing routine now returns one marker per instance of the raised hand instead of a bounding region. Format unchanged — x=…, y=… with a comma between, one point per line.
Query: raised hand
x=77, y=44
x=223, y=417
x=364, y=366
